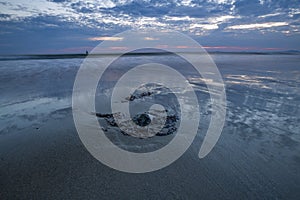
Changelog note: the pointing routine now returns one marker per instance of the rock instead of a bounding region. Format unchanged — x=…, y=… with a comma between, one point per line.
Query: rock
x=142, y=120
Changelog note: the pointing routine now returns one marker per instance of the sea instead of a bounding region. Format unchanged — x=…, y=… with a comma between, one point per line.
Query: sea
x=256, y=157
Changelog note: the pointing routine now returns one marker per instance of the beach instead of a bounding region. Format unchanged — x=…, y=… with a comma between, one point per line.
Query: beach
x=256, y=157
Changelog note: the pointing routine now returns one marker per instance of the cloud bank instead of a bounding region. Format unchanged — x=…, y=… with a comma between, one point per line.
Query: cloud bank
x=207, y=20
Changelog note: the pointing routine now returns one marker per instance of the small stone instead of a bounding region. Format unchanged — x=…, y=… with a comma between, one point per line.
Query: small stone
x=142, y=120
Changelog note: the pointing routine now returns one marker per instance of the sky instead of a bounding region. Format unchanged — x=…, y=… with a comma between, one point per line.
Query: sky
x=73, y=26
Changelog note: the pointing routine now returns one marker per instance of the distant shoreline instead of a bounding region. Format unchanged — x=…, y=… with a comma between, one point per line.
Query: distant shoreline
x=69, y=56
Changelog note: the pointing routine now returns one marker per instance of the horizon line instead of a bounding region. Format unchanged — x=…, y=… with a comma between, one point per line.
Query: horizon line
x=81, y=55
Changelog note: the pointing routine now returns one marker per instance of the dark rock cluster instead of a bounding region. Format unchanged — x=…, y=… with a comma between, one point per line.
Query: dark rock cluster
x=170, y=126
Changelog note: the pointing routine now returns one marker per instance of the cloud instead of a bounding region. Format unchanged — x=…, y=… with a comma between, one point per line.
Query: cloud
x=182, y=47
x=238, y=48
x=204, y=26
x=85, y=20
x=269, y=15
x=188, y=16
x=180, y=18
x=150, y=38
x=258, y=26
x=118, y=48
x=22, y=8
x=105, y=38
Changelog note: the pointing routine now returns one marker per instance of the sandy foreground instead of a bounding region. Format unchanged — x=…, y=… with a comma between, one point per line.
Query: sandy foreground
x=257, y=156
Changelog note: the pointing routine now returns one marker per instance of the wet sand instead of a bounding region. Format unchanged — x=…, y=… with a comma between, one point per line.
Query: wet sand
x=257, y=156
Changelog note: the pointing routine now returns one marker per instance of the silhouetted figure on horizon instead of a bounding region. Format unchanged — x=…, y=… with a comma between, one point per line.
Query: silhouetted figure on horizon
x=86, y=52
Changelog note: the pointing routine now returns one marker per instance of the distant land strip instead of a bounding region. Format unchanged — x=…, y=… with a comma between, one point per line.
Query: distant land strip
x=69, y=56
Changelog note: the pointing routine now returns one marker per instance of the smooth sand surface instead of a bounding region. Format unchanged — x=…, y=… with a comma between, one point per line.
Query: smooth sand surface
x=257, y=156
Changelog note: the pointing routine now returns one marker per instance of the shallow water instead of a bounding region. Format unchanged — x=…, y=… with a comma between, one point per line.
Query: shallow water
x=257, y=156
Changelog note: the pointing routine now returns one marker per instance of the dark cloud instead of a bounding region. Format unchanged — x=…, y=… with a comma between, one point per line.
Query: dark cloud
x=68, y=23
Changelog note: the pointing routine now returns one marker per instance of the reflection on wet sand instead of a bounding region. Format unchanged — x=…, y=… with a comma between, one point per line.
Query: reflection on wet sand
x=257, y=155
